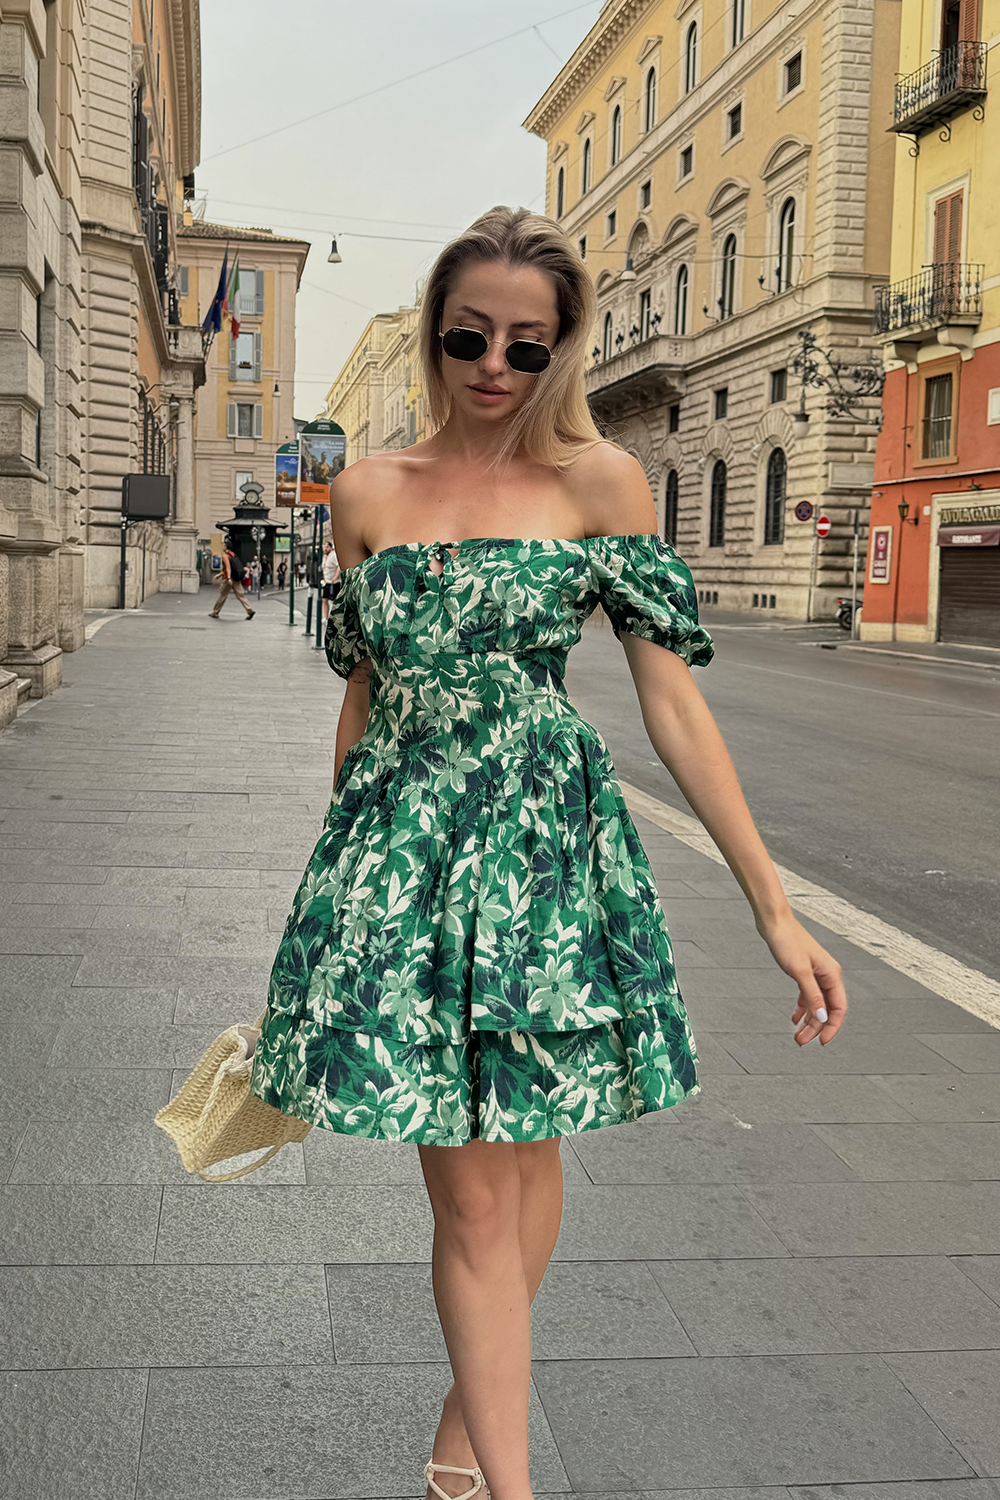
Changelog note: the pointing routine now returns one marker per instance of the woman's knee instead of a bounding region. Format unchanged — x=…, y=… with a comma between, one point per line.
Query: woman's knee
x=476, y=1201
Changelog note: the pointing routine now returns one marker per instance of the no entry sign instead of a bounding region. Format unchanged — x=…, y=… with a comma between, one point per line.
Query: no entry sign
x=823, y=526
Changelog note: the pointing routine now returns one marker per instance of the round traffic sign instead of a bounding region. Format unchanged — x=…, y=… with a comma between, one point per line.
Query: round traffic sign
x=803, y=511
x=823, y=526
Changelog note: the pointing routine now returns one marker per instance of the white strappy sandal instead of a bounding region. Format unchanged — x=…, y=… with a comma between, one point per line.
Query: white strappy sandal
x=476, y=1475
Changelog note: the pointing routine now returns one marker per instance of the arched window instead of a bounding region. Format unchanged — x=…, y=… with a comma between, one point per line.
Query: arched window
x=691, y=57
x=727, y=286
x=681, y=301
x=670, y=509
x=560, y=192
x=585, y=168
x=650, y=113
x=774, y=500
x=786, y=245
x=717, y=512
x=616, y=134
x=606, y=345
x=739, y=19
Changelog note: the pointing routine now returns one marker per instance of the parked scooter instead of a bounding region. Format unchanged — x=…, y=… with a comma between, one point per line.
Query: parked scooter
x=846, y=609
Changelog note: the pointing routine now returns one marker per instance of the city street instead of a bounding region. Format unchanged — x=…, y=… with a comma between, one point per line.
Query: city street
x=876, y=776
x=786, y=1284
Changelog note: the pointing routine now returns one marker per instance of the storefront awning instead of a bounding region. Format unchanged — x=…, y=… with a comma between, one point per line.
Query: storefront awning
x=969, y=536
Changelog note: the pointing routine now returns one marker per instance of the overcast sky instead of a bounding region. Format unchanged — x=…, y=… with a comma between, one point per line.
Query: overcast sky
x=416, y=161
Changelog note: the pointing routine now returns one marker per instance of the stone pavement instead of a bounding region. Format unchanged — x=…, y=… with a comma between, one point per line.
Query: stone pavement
x=790, y=1283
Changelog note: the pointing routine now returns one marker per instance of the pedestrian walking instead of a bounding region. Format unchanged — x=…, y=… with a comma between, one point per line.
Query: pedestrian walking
x=282, y=574
x=300, y=573
x=331, y=577
x=231, y=582
x=476, y=959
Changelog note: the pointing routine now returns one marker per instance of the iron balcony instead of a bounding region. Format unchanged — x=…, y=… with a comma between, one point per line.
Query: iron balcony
x=945, y=293
x=952, y=81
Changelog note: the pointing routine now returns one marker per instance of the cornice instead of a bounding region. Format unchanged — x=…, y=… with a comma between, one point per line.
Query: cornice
x=185, y=28
x=607, y=33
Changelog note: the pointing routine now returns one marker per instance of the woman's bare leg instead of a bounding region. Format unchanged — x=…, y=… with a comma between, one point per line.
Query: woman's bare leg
x=538, y=1192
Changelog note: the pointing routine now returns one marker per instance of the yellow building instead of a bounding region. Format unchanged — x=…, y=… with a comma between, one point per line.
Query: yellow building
x=377, y=398
x=245, y=408
x=934, y=569
x=724, y=167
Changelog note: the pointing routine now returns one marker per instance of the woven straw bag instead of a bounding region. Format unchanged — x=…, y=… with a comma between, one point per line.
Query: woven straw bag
x=215, y=1116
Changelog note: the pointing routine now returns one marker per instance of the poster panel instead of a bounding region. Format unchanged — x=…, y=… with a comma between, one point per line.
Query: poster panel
x=880, y=560
x=322, y=457
x=286, y=476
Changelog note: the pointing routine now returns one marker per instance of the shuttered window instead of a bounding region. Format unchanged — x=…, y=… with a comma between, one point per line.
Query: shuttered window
x=245, y=356
x=244, y=419
x=948, y=230
x=937, y=417
x=250, y=299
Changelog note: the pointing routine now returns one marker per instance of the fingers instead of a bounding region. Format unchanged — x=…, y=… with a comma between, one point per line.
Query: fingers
x=822, y=1002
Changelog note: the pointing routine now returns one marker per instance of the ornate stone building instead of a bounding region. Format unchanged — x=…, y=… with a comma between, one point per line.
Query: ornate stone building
x=724, y=166
x=244, y=410
x=99, y=128
x=377, y=397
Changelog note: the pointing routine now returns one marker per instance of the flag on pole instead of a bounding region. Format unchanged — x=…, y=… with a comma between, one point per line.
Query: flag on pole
x=213, y=318
x=231, y=304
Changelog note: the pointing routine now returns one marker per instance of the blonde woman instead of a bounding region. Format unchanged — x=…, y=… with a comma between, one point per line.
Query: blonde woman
x=476, y=960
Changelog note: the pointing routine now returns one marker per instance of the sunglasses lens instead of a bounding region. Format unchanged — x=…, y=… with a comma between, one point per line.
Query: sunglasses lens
x=467, y=344
x=528, y=358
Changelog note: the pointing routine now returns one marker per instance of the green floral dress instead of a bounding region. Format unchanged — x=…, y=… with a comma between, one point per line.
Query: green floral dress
x=477, y=949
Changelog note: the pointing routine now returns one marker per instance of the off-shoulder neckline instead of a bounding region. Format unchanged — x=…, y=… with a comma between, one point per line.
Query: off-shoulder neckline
x=507, y=541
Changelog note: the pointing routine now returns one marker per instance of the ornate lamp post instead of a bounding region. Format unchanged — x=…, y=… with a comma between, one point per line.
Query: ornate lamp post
x=846, y=385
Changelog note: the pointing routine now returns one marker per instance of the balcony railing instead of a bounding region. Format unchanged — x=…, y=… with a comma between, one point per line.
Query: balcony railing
x=940, y=89
x=643, y=373
x=943, y=293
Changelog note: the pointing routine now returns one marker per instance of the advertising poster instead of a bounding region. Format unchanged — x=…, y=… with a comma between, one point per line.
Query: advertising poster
x=286, y=474
x=322, y=457
x=881, y=554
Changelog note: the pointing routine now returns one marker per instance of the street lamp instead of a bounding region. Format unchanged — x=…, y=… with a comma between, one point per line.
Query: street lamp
x=863, y=381
x=334, y=258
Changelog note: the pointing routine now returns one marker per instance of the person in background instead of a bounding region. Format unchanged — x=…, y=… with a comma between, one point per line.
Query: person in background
x=282, y=573
x=230, y=582
x=331, y=577
x=255, y=575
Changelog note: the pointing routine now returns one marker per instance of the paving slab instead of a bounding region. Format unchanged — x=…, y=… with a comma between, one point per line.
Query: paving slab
x=335, y=1432
x=961, y=1392
x=78, y=1226
x=708, y=1151
x=71, y=1434
x=89, y=1317
x=883, y=1218
x=773, y=1419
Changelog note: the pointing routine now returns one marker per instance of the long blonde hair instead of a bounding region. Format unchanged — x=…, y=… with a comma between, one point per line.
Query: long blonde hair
x=554, y=422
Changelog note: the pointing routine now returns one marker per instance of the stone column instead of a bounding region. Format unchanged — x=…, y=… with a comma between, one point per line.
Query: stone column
x=178, y=571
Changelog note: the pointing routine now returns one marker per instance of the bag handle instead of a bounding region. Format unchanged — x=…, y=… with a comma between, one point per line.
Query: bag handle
x=242, y=1171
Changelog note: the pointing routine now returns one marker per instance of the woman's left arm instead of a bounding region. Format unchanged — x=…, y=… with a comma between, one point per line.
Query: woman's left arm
x=687, y=740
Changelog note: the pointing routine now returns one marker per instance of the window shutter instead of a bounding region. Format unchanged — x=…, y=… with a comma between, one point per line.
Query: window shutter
x=231, y=420
x=183, y=281
x=258, y=342
x=258, y=421
x=258, y=306
x=232, y=358
x=968, y=21
x=948, y=230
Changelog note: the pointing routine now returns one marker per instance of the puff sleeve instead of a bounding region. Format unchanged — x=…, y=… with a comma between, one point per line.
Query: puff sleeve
x=646, y=590
x=344, y=641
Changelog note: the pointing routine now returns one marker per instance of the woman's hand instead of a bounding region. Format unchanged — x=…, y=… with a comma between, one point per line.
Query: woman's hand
x=822, y=1003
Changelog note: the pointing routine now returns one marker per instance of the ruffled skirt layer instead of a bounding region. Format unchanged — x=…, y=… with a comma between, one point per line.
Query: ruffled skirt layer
x=477, y=949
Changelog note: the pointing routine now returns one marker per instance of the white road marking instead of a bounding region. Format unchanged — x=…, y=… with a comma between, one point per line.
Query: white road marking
x=935, y=661
x=977, y=993
x=855, y=687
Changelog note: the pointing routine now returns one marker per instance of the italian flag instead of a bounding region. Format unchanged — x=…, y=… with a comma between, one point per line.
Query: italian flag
x=229, y=304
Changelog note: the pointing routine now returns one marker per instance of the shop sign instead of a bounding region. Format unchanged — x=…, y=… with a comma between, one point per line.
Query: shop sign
x=970, y=515
x=969, y=536
x=881, y=554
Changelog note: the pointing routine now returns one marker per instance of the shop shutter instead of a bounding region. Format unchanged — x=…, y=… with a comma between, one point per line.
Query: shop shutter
x=232, y=420
x=970, y=595
x=258, y=342
x=258, y=421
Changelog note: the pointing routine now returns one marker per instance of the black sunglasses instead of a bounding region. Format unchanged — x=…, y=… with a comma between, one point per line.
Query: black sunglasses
x=469, y=344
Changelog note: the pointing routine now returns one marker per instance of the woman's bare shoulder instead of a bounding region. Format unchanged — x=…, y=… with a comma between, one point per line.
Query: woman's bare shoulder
x=363, y=492
x=612, y=492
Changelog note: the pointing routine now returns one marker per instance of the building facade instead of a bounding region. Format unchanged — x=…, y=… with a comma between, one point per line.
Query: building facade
x=934, y=555
x=377, y=398
x=99, y=128
x=245, y=408
x=723, y=166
